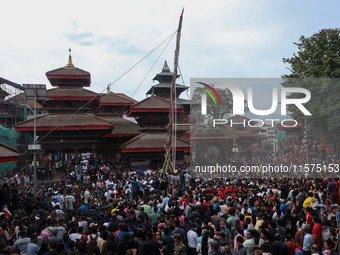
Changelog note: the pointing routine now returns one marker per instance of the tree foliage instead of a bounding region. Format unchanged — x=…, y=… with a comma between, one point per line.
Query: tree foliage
x=317, y=67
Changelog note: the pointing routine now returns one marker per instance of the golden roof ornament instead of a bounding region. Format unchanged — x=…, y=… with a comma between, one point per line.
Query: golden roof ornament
x=69, y=64
x=165, y=67
x=108, y=90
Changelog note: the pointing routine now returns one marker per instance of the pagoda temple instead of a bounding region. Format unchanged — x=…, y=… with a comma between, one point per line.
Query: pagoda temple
x=70, y=116
x=79, y=119
x=163, y=90
x=152, y=115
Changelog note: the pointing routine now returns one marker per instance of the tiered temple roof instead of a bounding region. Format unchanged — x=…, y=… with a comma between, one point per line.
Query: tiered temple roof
x=8, y=154
x=151, y=105
x=69, y=75
x=163, y=88
x=64, y=122
x=152, y=142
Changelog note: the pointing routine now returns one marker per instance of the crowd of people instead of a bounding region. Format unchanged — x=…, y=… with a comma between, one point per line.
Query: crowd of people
x=97, y=208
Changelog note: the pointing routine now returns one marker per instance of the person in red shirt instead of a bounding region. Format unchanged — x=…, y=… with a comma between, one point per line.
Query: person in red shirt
x=291, y=244
x=309, y=218
x=317, y=230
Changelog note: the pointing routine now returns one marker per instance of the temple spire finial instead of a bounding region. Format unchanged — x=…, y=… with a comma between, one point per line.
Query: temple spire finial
x=108, y=90
x=69, y=64
x=165, y=67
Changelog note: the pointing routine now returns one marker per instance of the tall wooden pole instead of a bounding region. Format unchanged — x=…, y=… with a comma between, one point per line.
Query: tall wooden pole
x=167, y=166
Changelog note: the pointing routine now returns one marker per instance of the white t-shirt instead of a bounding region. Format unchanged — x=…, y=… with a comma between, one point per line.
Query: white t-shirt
x=108, y=183
x=192, y=238
x=75, y=236
x=87, y=195
x=69, y=199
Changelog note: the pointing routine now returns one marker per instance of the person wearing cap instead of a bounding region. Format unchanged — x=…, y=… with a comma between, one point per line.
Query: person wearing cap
x=54, y=238
x=192, y=239
x=216, y=204
x=215, y=248
x=226, y=232
x=179, y=247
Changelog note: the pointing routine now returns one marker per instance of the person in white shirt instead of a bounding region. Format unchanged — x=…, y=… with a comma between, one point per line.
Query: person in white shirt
x=192, y=239
x=87, y=198
x=54, y=202
x=77, y=236
x=61, y=199
x=108, y=183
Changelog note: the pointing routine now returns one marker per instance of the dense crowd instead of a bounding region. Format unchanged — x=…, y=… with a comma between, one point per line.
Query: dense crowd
x=97, y=208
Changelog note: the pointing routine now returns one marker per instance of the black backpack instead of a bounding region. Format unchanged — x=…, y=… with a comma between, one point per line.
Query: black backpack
x=93, y=241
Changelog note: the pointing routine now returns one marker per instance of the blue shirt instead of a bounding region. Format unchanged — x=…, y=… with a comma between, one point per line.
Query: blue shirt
x=215, y=206
x=66, y=246
x=307, y=242
x=199, y=240
x=283, y=208
x=121, y=234
x=32, y=249
x=165, y=201
x=82, y=209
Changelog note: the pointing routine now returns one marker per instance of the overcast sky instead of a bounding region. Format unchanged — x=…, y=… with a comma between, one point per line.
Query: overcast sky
x=234, y=39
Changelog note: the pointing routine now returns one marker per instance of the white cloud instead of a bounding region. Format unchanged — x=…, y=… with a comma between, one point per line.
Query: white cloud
x=219, y=38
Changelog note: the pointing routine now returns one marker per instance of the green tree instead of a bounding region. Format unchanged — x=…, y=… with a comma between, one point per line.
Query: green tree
x=317, y=67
